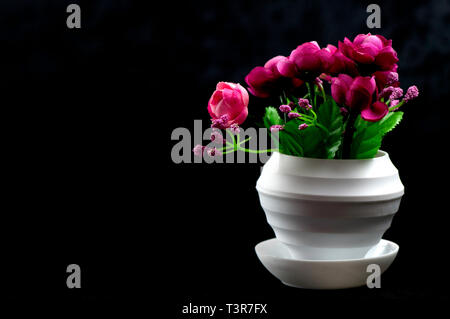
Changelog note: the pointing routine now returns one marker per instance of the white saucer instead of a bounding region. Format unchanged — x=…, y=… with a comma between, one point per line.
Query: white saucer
x=323, y=274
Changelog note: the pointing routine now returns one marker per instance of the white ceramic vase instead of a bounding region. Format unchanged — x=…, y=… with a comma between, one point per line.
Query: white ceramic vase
x=326, y=209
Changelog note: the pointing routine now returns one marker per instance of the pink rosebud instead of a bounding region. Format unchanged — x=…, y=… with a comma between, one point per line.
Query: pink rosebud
x=216, y=136
x=229, y=99
x=302, y=126
x=304, y=103
x=293, y=115
x=411, y=93
x=198, y=150
x=276, y=128
x=285, y=108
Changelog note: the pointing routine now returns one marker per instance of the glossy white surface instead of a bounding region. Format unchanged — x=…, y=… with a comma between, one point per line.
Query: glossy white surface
x=323, y=274
x=329, y=209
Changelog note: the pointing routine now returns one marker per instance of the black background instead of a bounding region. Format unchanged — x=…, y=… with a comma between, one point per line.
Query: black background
x=87, y=117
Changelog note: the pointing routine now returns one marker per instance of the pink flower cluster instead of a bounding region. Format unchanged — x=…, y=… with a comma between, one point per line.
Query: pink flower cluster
x=359, y=71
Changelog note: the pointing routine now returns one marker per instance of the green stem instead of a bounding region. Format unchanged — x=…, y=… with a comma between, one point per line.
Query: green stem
x=246, y=140
x=310, y=92
x=232, y=138
x=323, y=93
x=348, y=135
x=256, y=151
x=393, y=108
x=322, y=127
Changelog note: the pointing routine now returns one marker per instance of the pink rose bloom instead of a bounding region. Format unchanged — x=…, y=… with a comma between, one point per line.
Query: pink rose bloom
x=370, y=49
x=306, y=62
x=266, y=81
x=355, y=93
x=230, y=101
x=340, y=63
x=375, y=112
x=386, y=78
x=358, y=95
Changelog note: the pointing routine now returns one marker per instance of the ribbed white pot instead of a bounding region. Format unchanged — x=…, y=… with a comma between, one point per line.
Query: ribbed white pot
x=325, y=209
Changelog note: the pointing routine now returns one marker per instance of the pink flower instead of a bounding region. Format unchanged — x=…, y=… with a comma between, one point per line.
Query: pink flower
x=235, y=128
x=306, y=62
x=220, y=123
x=386, y=78
x=230, y=100
x=304, y=103
x=276, y=128
x=213, y=152
x=294, y=115
x=340, y=63
x=198, y=150
x=216, y=137
x=386, y=92
x=375, y=112
x=285, y=108
x=370, y=49
x=302, y=126
x=396, y=94
x=411, y=93
x=266, y=81
x=355, y=93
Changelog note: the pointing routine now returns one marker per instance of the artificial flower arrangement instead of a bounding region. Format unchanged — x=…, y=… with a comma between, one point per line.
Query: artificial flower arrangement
x=349, y=123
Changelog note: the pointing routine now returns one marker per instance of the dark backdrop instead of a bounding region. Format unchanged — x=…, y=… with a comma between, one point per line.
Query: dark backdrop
x=87, y=117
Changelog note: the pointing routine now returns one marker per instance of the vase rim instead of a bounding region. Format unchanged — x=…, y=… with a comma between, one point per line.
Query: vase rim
x=380, y=154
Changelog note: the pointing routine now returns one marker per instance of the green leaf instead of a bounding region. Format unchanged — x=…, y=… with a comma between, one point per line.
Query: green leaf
x=329, y=115
x=369, y=135
x=390, y=121
x=307, y=142
x=272, y=117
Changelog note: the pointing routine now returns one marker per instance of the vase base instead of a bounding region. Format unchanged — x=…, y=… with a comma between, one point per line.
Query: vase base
x=325, y=274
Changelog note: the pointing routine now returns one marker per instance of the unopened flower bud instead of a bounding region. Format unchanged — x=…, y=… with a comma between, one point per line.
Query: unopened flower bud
x=302, y=126
x=411, y=93
x=294, y=115
x=235, y=128
x=276, y=128
x=213, y=152
x=198, y=150
x=285, y=108
x=392, y=78
x=396, y=94
x=304, y=103
x=216, y=136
